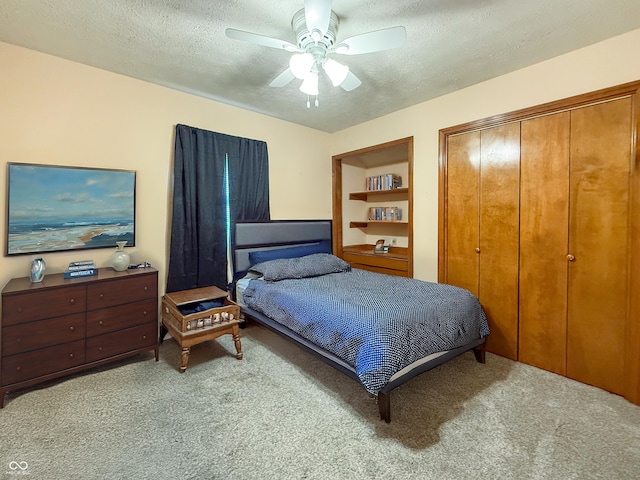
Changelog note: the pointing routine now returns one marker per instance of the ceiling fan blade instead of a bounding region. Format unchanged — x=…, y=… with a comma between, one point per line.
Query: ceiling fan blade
x=351, y=82
x=317, y=14
x=376, y=41
x=261, y=40
x=283, y=79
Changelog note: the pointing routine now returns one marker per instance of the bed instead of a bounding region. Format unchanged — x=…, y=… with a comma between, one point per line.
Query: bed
x=378, y=329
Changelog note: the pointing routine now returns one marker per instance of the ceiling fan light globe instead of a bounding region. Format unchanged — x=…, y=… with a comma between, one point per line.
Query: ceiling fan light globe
x=300, y=65
x=336, y=72
x=310, y=84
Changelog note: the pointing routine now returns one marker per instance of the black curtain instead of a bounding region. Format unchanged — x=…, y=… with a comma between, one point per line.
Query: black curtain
x=198, y=253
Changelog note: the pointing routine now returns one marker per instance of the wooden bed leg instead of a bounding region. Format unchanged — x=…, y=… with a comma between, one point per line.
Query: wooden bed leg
x=384, y=406
x=479, y=352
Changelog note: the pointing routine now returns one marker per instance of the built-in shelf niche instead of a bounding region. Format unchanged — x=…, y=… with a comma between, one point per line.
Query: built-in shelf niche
x=354, y=234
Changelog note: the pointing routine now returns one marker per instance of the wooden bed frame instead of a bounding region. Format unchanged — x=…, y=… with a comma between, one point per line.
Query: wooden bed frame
x=259, y=236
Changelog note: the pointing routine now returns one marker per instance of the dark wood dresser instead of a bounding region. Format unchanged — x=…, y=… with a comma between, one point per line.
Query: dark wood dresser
x=61, y=326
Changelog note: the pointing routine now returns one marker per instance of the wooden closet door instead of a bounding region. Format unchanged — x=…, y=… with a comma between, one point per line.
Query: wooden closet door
x=544, y=216
x=499, y=235
x=463, y=153
x=598, y=240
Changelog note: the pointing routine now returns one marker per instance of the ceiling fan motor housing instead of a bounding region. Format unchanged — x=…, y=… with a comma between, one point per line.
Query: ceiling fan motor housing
x=303, y=35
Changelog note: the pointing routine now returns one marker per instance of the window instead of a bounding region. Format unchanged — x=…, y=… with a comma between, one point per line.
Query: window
x=203, y=216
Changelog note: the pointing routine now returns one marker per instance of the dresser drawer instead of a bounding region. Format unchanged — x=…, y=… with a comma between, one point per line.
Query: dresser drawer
x=105, y=346
x=25, y=366
x=381, y=261
x=123, y=316
x=121, y=291
x=386, y=271
x=43, y=333
x=40, y=305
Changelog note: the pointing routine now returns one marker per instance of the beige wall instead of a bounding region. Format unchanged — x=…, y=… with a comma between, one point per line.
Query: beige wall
x=605, y=64
x=53, y=111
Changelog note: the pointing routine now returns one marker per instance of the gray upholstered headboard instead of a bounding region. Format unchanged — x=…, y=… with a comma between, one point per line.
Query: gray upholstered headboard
x=255, y=236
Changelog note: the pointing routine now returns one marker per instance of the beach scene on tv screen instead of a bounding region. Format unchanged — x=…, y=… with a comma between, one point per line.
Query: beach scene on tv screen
x=54, y=208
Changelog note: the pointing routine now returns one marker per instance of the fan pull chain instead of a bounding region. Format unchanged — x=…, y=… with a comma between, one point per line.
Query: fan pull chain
x=316, y=102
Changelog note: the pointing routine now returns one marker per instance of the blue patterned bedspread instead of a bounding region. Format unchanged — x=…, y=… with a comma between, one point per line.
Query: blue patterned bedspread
x=377, y=323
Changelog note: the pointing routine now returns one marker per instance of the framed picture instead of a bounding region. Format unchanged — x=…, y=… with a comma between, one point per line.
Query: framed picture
x=59, y=208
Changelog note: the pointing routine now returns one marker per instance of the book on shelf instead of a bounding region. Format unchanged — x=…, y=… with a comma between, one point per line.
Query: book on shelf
x=388, y=181
x=81, y=262
x=86, y=266
x=385, y=214
x=80, y=273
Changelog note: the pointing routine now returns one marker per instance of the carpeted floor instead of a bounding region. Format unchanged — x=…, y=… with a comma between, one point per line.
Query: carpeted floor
x=280, y=413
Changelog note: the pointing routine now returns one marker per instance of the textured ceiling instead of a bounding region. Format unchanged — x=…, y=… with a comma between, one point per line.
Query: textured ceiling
x=181, y=44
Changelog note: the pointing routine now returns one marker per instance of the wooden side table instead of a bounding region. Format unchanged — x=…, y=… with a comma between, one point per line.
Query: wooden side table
x=199, y=315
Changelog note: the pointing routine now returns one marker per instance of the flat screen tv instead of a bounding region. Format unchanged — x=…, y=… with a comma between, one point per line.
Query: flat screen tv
x=60, y=208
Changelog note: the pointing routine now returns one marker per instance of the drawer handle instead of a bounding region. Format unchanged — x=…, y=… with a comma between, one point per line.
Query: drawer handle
x=18, y=340
x=144, y=337
x=99, y=349
x=100, y=322
x=71, y=328
x=144, y=313
x=101, y=295
x=146, y=289
x=73, y=300
x=18, y=368
x=71, y=355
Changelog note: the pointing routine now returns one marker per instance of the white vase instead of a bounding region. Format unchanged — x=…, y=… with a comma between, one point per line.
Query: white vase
x=38, y=266
x=119, y=259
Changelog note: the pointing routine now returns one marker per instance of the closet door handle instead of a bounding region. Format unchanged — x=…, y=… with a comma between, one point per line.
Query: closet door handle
x=571, y=258
x=477, y=249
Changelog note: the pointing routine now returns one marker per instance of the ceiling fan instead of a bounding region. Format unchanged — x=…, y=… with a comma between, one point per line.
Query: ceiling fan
x=316, y=27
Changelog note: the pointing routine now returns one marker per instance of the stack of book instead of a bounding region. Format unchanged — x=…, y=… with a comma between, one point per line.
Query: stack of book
x=82, y=268
x=388, y=181
x=385, y=214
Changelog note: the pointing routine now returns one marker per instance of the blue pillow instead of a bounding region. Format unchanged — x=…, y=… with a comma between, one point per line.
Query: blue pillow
x=290, y=252
x=303, y=267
